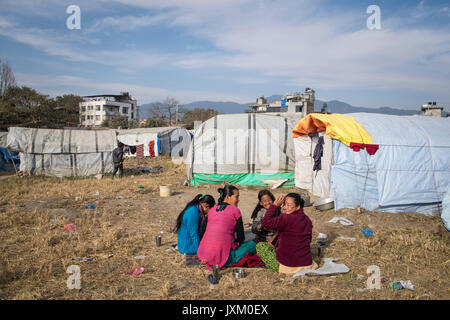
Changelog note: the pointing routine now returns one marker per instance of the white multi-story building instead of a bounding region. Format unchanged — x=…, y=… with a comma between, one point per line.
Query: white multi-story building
x=97, y=108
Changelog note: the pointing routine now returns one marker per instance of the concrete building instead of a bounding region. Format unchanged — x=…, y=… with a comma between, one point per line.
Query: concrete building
x=431, y=109
x=301, y=102
x=260, y=105
x=97, y=108
x=291, y=102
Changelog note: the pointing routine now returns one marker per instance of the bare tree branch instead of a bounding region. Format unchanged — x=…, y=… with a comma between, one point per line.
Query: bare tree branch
x=6, y=77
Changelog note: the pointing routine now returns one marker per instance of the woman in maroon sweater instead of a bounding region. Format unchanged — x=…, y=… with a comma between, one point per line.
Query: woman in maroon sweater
x=292, y=246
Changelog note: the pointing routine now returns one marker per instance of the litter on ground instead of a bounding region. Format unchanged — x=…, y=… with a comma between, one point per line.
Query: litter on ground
x=328, y=268
x=342, y=221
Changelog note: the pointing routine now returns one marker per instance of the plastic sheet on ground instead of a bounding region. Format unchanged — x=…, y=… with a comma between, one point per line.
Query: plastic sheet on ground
x=342, y=221
x=328, y=268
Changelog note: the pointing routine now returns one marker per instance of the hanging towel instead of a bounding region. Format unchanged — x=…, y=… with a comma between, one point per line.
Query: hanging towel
x=151, y=148
x=371, y=148
x=140, y=151
x=318, y=152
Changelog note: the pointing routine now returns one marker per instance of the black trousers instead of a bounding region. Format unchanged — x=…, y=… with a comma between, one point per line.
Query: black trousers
x=118, y=166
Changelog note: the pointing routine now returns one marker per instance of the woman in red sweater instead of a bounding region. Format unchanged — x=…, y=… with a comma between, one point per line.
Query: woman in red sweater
x=292, y=251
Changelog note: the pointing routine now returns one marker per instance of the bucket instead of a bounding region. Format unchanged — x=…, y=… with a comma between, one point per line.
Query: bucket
x=164, y=191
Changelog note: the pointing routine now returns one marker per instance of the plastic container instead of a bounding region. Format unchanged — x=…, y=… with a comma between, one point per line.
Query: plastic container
x=164, y=190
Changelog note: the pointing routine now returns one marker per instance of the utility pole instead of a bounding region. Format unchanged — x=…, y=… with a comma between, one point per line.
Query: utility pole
x=176, y=116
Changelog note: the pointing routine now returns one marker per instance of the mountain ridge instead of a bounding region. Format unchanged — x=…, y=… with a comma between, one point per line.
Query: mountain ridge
x=333, y=106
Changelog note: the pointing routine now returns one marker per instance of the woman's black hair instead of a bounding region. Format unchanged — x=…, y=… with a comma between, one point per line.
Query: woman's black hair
x=297, y=199
x=228, y=190
x=258, y=207
x=200, y=198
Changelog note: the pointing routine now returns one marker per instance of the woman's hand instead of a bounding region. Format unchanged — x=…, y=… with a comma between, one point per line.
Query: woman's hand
x=259, y=227
x=279, y=201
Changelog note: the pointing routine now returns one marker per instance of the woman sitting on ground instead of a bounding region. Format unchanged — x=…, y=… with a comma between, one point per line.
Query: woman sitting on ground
x=291, y=249
x=190, y=221
x=265, y=198
x=218, y=245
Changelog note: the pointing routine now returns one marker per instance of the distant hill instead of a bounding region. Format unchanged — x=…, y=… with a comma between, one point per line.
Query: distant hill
x=333, y=106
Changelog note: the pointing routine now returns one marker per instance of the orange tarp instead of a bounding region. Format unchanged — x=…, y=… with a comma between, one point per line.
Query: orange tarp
x=337, y=126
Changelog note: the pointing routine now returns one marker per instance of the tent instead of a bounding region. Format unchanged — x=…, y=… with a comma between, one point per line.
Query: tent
x=6, y=162
x=63, y=153
x=172, y=141
x=410, y=170
x=245, y=149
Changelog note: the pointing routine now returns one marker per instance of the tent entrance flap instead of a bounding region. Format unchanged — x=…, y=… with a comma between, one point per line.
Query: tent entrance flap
x=254, y=179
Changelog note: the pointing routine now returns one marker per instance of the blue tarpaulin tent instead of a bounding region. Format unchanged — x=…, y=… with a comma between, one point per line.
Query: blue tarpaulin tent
x=409, y=172
x=6, y=163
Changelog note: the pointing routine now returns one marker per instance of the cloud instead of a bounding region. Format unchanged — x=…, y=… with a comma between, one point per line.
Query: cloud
x=305, y=42
x=78, y=48
x=63, y=84
x=111, y=24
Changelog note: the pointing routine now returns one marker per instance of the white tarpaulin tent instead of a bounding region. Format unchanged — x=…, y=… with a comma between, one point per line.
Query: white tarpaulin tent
x=63, y=153
x=246, y=149
x=409, y=172
x=172, y=141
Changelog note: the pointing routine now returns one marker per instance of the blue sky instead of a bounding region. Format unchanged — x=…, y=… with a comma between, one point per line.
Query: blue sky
x=233, y=50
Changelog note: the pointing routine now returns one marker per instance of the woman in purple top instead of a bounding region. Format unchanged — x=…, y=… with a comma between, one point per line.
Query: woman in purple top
x=292, y=246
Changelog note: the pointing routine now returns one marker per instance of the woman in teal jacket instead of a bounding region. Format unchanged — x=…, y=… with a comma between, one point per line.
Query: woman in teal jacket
x=190, y=221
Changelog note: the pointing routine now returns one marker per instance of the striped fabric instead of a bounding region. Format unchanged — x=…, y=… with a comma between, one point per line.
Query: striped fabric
x=140, y=151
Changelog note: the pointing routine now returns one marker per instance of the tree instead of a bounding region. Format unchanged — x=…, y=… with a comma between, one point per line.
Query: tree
x=119, y=121
x=166, y=110
x=133, y=123
x=7, y=79
x=24, y=106
x=30, y=108
x=152, y=123
x=105, y=123
x=24, y=97
x=67, y=109
x=198, y=114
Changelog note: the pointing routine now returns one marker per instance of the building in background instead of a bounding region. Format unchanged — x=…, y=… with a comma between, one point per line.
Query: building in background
x=98, y=108
x=431, y=109
x=291, y=102
x=261, y=105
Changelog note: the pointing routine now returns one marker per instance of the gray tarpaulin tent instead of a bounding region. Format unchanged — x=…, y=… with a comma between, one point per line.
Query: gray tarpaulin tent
x=245, y=149
x=63, y=153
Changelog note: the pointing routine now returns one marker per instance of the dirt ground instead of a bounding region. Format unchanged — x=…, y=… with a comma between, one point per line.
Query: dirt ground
x=119, y=235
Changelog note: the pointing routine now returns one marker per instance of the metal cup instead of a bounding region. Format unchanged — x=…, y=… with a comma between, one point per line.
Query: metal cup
x=158, y=240
x=238, y=273
x=216, y=269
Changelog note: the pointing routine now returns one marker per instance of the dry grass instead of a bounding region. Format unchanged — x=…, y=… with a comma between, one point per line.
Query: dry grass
x=36, y=250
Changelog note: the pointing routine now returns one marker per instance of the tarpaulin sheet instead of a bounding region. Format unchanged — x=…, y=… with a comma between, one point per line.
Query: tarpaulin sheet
x=6, y=162
x=254, y=179
x=243, y=144
x=409, y=172
x=337, y=126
